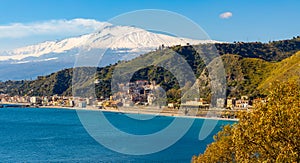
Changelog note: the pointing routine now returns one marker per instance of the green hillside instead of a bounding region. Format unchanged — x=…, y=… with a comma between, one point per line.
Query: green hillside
x=244, y=75
x=249, y=68
x=272, y=51
x=251, y=76
x=282, y=71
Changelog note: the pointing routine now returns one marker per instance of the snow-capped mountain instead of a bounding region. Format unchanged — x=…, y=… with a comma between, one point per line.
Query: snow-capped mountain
x=120, y=43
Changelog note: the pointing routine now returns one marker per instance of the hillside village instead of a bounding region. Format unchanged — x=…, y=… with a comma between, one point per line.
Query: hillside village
x=138, y=93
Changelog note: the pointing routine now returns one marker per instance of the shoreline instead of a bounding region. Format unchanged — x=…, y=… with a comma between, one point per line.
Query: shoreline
x=134, y=110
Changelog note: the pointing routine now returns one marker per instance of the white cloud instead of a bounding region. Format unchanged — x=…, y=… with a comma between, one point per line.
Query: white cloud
x=51, y=27
x=225, y=15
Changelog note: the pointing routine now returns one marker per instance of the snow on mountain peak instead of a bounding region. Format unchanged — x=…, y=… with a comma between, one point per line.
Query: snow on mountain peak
x=109, y=36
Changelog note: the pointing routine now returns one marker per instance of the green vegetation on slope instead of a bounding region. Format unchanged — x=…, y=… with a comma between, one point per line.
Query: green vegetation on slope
x=282, y=71
x=272, y=51
x=248, y=72
x=245, y=74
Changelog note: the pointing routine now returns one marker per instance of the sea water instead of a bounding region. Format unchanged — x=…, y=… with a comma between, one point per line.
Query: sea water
x=57, y=135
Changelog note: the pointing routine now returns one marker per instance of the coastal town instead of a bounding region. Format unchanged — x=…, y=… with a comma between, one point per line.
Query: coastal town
x=140, y=93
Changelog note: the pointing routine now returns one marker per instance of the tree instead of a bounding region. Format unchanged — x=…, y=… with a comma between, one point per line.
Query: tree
x=268, y=133
x=221, y=150
x=173, y=95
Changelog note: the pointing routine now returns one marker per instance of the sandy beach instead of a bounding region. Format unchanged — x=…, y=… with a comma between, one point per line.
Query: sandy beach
x=147, y=110
x=155, y=111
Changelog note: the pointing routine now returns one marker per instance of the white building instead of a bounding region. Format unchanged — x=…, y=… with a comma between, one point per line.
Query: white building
x=82, y=104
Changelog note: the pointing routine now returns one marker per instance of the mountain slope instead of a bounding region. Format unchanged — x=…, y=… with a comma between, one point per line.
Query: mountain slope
x=251, y=76
x=272, y=51
x=113, y=37
x=245, y=76
x=284, y=70
x=118, y=43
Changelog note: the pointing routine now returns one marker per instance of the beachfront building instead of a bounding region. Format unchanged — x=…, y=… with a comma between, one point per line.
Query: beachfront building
x=196, y=104
x=151, y=98
x=35, y=100
x=171, y=105
x=242, y=104
x=230, y=103
x=4, y=98
x=82, y=104
x=220, y=103
x=71, y=103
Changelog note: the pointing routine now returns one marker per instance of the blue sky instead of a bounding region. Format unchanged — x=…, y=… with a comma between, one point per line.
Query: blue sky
x=246, y=20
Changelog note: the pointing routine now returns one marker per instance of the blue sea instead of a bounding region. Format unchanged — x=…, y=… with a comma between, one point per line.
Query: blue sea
x=57, y=135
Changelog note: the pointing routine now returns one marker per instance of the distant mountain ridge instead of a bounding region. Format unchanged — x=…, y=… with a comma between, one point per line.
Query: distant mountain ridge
x=117, y=37
x=121, y=42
